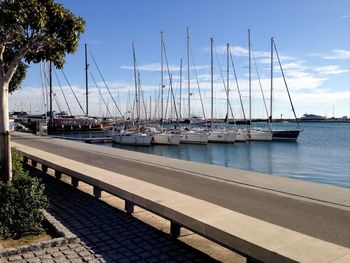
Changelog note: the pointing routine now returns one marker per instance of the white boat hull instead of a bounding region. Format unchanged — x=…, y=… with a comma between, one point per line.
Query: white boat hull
x=242, y=135
x=193, y=138
x=221, y=137
x=132, y=139
x=260, y=135
x=166, y=138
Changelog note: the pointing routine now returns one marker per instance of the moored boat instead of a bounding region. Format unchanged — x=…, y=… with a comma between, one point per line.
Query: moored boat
x=285, y=135
x=74, y=123
x=136, y=135
x=282, y=134
x=164, y=136
x=242, y=135
x=132, y=138
x=260, y=135
x=221, y=136
x=193, y=137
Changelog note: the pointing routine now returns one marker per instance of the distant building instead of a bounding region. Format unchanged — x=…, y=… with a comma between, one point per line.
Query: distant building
x=312, y=117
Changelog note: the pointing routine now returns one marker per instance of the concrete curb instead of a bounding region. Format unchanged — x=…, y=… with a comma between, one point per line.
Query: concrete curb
x=65, y=237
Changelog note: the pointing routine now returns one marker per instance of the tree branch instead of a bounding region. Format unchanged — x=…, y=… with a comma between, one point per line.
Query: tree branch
x=10, y=37
x=2, y=65
x=2, y=49
x=17, y=59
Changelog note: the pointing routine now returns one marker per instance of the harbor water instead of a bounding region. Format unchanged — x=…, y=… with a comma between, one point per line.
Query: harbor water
x=321, y=154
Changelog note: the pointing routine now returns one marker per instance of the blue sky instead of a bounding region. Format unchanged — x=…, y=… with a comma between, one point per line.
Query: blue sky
x=312, y=37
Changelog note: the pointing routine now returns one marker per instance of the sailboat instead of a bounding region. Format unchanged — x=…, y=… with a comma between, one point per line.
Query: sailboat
x=218, y=135
x=255, y=134
x=241, y=133
x=188, y=135
x=133, y=136
x=282, y=134
x=162, y=136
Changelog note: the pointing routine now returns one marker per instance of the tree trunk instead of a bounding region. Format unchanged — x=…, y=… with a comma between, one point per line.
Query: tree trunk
x=5, y=148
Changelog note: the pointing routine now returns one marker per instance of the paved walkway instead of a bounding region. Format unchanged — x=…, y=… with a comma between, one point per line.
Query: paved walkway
x=319, y=211
x=105, y=233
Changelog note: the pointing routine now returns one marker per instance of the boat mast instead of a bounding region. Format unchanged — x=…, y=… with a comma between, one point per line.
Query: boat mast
x=171, y=90
x=271, y=89
x=212, y=80
x=150, y=107
x=171, y=104
x=136, y=91
x=86, y=81
x=140, y=94
x=285, y=83
x=188, y=75
x=250, y=81
x=162, y=78
x=238, y=89
x=50, y=83
x=228, y=80
x=180, y=87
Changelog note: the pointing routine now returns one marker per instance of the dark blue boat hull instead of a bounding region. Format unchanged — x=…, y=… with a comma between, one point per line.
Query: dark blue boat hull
x=285, y=135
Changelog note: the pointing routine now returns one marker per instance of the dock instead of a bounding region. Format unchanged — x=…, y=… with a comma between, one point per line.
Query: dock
x=264, y=218
x=86, y=139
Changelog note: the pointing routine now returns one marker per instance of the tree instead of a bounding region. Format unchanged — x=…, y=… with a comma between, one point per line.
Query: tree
x=30, y=31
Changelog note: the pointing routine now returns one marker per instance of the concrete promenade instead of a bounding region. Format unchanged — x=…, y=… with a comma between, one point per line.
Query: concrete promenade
x=318, y=210
x=315, y=210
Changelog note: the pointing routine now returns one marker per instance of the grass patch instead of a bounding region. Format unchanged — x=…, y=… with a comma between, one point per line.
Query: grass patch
x=48, y=233
x=26, y=240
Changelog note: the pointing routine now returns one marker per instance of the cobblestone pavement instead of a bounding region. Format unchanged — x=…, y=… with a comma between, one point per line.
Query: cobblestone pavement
x=75, y=252
x=105, y=234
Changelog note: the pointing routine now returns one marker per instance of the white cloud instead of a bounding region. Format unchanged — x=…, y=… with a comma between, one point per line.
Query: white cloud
x=239, y=51
x=296, y=74
x=345, y=16
x=330, y=70
x=155, y=67
x=149, y=67
x=337, y=54
x=305, y=83
x=295, y=65
x=321, y=97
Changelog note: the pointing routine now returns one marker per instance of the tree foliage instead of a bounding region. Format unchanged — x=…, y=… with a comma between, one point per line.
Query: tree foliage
x=32, y=31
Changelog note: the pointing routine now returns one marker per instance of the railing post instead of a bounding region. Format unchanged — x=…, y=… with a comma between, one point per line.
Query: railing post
x=44, y=168
x=97, y=192
x=58, y=174
x=75, y=182
x=252, y=260
x=25, y=160
x=34, y=164
x=129, y=207
x=175, y=229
